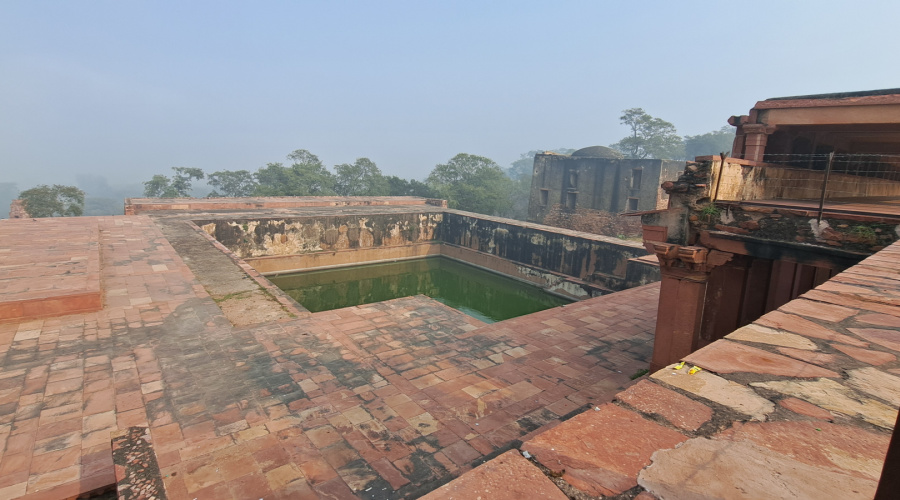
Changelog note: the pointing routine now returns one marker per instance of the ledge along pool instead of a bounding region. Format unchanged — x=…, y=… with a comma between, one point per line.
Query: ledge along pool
x=484, y=295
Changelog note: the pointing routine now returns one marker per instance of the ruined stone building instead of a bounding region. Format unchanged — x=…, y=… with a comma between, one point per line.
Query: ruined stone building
x=598, y=178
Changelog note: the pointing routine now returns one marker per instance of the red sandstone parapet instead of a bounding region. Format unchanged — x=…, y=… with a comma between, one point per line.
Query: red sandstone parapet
x=51, y=268
x=134, y=206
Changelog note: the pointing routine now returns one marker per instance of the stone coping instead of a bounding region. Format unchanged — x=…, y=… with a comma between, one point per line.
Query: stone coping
x=135, y=206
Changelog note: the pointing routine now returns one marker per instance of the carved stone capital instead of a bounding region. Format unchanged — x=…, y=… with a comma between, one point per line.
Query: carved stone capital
x=688, y=258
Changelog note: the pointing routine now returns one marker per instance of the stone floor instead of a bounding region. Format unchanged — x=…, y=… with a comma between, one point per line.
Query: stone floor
x=798, y=405
x=381, y=401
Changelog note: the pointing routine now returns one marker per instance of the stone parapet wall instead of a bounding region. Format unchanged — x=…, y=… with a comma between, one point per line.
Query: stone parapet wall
x=135, y=206
x=593, y=258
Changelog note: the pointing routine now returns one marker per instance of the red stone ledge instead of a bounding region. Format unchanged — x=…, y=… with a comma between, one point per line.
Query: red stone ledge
x=134, y=206
x=51, y=267
x=60, y=305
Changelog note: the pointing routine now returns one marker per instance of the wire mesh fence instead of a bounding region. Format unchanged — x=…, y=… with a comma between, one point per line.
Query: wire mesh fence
x=825, y=176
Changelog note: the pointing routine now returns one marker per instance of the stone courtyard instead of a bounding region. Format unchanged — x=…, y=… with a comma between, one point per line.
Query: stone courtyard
x=387, y=400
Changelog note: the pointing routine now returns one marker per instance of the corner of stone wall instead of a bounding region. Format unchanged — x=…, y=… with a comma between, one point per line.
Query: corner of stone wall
x=17, y=210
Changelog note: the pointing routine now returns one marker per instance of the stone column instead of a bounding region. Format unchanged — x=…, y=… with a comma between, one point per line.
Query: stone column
x=756, y=135
x=685, y=274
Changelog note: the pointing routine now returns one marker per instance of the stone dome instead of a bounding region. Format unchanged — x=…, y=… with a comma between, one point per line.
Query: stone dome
x=599, y=152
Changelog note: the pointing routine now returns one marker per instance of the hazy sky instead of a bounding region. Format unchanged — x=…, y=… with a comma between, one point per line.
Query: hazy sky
x=126, y=89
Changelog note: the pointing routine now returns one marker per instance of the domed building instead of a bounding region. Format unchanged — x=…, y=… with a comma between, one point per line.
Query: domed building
x=598, y=178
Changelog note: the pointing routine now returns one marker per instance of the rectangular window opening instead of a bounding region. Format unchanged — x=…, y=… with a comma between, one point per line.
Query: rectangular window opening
x=632, y=204
x=571, y=198
x=545, y=197
x=636, y=177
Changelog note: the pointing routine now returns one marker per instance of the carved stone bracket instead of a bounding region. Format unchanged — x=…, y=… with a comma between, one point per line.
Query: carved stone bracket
x=689, y=258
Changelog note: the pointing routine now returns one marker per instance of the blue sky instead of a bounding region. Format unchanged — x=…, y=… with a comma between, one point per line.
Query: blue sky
x=129, y=89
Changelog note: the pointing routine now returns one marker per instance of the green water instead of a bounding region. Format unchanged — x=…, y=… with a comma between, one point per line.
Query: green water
x=481, y=294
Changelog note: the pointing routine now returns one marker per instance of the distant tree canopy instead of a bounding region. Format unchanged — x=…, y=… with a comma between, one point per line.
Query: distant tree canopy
x=710, y=143
x=402, y=187
x=55, y=201
x=472, y=183
x=656, y=138
x=179, y=186
x=232, y=184
x=361, y=178
x=650, y=137
x=306, y=176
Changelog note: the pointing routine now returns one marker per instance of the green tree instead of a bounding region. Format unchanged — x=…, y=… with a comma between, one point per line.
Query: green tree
x=179, y=186
x=231, y=183
x=710, y=143
x=306, y=176
x=650, y=137
x=402, y=187
x=56, y=201
x=362, y=178
x=472, y=183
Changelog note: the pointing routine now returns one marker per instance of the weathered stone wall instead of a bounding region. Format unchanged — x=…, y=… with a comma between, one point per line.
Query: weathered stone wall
x=596, y=259
x=303, y=235
x=17, y=210
x=746, y=180
x=570, y=263
x=781, y=224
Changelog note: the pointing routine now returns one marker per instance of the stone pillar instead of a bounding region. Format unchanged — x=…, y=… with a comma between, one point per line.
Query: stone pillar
x=756, y=135
x=685, y=274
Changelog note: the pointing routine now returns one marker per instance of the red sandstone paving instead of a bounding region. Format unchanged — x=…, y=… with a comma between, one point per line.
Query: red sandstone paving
x=869, y=356
x=804, y=408
x=601, y=451
x=725, y=356
x=678, y=409
x=507, y=477
x=313, y=407
x=820, y=444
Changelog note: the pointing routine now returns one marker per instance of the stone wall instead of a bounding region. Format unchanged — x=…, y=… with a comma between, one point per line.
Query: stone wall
x=304, y=235
x=569, y=263
x=748, y=180
x=599, y=260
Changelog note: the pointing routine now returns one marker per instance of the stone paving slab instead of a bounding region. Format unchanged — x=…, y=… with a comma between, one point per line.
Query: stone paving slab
x=387, y=400
x=507, y=477
x=601, y=451
x=704, y=468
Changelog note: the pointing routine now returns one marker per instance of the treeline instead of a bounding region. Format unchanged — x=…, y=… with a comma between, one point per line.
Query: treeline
x=467, y=182
x=653, y=137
